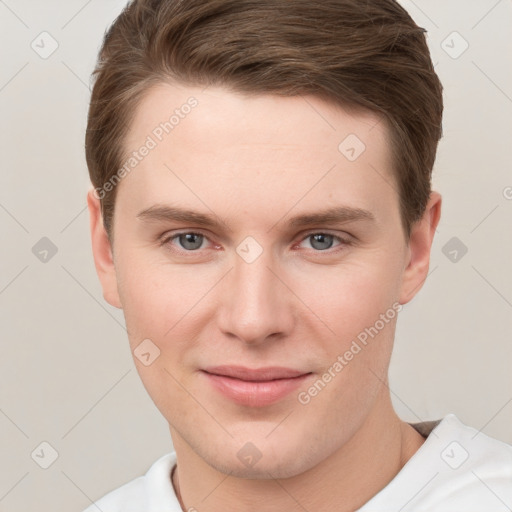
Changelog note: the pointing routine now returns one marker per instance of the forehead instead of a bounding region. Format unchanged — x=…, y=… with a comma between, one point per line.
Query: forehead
x=294, y=120
x=212, y=142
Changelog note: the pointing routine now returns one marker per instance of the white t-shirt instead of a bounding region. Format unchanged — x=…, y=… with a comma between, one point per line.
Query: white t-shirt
x=457, y=469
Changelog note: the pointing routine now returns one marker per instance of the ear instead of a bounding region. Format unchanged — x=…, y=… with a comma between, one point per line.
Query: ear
x=419, y=246
x=102, y=252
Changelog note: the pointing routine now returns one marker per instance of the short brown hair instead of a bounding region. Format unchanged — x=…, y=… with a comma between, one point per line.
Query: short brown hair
x=366, y=55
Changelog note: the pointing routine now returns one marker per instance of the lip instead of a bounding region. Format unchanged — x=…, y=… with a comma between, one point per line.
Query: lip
x=255, y=387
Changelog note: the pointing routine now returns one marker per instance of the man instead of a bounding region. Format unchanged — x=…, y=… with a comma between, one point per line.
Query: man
x=261, y=210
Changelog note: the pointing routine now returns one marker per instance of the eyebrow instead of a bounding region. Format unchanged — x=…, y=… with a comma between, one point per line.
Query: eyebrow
x=334, y=215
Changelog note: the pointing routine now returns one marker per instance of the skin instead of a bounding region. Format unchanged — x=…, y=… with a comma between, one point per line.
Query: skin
x=255, y=162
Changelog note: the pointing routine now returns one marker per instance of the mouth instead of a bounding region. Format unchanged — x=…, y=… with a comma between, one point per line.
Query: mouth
x=255, y=387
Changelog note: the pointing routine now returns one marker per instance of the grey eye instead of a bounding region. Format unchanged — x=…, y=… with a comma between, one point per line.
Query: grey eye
x=190, y=241
x=321, y=241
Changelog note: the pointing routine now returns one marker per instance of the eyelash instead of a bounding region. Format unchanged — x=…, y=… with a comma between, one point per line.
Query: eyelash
x=343, y=241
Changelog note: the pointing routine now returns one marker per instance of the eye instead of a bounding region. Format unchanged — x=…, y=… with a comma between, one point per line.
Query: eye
x=188, y=241
x=321, y=241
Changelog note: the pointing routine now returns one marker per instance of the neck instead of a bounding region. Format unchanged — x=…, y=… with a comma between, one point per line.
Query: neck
x=343, y=482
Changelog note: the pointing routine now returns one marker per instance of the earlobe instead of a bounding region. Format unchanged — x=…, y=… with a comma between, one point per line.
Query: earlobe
x=102, y=252
x=420, y=244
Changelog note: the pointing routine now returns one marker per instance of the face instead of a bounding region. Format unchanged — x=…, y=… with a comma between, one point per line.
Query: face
x=265, y=285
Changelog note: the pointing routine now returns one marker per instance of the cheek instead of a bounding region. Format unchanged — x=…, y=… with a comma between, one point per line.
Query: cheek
x=353, y=295
x=142, y=302
x=149, y=290
x=155, y=304
x=163, y=303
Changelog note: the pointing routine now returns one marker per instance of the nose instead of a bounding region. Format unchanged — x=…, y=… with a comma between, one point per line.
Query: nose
x=255, y=303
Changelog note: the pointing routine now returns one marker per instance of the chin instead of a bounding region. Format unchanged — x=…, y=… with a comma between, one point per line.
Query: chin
x=262, y=470
x=274, y=460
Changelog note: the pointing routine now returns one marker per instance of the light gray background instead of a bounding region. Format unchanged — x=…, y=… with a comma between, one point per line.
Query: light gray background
x=66, y=373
